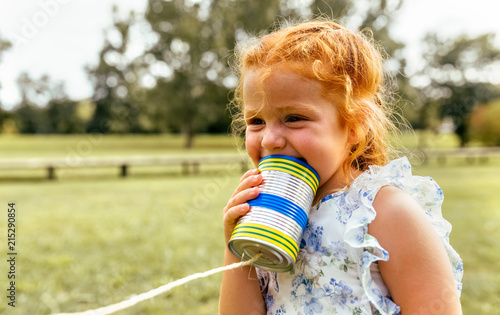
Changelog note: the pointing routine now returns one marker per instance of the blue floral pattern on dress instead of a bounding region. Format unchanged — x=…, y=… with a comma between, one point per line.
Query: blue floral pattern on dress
x=337, y=265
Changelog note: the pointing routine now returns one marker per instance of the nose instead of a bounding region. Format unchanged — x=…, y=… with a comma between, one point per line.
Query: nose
x=273, y=139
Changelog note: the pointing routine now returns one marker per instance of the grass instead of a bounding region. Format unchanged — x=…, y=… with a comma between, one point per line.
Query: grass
x=89, y=241
x=84, y=244
x=86, y=145
x=472, y=205
x=73, y=148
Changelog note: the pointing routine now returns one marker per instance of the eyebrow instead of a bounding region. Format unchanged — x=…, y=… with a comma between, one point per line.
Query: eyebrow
x=300, y=107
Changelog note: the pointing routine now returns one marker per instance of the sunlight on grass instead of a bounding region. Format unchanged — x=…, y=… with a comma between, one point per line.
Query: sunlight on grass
x=89, y=145
x=92, y=239
x=85, y=244
x=472, y=205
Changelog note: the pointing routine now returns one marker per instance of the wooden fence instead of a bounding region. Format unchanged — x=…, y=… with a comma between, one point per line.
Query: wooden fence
x=471, y=155
x=190, y=164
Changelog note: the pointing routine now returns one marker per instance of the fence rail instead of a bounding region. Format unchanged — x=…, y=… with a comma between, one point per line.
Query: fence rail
x=191, y=163
x=471, y=155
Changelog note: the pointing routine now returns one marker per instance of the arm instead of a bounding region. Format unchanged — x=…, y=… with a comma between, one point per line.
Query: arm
x=418, y=273
x=240, y=291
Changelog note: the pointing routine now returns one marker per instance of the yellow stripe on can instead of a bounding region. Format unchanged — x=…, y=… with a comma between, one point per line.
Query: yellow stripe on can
x=301, y=173
x=270, y=230
x=293, y=164
x=267, y=234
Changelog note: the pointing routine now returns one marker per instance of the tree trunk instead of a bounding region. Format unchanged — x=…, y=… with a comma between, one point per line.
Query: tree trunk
x=189, y=135
x=462, y=132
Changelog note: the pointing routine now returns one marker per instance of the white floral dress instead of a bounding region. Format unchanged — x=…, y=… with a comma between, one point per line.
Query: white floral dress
x=337, y=266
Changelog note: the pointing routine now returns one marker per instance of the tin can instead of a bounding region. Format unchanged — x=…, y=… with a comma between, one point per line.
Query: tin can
x=277, y=218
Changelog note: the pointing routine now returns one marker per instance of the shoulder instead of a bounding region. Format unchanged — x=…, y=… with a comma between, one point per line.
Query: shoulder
x=418, y=270
x=399, y=221
x=400, y=224
x=394, y=204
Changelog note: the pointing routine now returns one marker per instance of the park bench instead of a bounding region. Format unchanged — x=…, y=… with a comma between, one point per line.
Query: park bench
x=189, y=163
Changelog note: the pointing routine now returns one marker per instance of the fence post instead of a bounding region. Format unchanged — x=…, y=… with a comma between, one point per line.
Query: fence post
x=51, y=174
x=185, y=168
x=470, y=158
x=124, y=170
x=196, y=167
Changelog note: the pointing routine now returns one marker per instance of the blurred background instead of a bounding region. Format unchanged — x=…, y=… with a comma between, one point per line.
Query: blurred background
x=88, y=87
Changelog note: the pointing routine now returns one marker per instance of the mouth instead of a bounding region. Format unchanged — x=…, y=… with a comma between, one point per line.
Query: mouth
x=302, y=159
x=298, y=158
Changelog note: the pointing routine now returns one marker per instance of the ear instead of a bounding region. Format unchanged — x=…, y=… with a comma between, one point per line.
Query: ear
x=352, y=137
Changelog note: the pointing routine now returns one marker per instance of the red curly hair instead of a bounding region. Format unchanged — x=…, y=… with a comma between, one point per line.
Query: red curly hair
x=348, y=66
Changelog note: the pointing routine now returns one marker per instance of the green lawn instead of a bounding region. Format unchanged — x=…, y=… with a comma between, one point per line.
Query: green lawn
x=472, y=205
x=87, y=145
x=88, y=241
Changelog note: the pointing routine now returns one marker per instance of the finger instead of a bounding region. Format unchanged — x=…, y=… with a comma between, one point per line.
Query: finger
x=248, y=182
x=231, y=218
x=248, y=173
x=235, y=213
x=242, y=197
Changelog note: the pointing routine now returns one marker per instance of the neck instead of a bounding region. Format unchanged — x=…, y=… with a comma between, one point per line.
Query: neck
x=336, y=184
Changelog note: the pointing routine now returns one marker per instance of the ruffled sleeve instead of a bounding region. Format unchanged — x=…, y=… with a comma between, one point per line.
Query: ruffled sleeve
x=427, y=194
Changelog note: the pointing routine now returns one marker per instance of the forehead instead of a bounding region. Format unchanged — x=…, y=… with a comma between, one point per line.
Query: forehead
x=278, y=86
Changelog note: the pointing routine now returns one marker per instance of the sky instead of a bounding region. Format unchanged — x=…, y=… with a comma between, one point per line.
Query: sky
x=61, y=37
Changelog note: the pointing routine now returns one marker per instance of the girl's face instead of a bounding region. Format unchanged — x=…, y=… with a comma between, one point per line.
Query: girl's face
x=287, y=114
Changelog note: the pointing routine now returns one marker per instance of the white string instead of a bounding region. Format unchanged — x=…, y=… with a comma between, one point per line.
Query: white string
x=164, y=288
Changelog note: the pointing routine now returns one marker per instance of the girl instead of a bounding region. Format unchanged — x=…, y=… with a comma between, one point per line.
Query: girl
x=375, y=242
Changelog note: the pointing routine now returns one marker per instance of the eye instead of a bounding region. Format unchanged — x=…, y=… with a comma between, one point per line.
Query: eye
x=293, y=118
x=255, y=121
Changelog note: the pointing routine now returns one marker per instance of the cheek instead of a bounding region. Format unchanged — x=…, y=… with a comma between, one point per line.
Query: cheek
x=252, y=146
x=249, y=140
x=309, y=142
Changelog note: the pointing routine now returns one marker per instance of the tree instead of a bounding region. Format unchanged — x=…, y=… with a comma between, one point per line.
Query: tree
x=196, y=37
x=194, y=41
x=484, y=124
x=45, y=107
x=62, y=116
x=115, y=81
x=4, y=45
x=29, y=116
x=457, y=77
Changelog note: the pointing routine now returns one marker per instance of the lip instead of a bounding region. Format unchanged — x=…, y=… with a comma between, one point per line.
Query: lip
x=302, y=159
x=298, y=158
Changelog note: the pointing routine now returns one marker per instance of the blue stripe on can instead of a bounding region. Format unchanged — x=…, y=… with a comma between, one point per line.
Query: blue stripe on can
x=282, y=205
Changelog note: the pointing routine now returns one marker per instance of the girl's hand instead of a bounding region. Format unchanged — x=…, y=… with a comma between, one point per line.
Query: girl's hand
x=237, y=205
x=240, y=291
